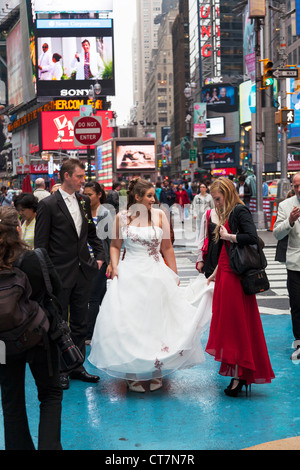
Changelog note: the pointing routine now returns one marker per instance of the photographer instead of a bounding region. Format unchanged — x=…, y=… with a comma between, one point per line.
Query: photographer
x=14, y=252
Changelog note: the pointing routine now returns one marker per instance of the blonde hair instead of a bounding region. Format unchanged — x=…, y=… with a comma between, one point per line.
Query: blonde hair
x=226, y=187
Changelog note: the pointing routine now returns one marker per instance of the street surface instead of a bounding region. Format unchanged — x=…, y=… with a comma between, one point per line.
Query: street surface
x=191, y=411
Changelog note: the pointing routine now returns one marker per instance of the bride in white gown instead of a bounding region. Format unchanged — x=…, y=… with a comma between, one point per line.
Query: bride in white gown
x=146, y=328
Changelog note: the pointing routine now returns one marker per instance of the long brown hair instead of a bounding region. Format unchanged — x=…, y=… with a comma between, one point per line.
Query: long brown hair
x=226, y=187
x=137, y=186
x=11, y=244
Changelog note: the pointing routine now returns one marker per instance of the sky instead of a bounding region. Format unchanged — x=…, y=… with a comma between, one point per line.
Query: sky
x=124, y=19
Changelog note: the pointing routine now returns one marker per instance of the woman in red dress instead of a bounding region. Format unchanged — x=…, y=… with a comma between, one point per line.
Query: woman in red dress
x=236, y=337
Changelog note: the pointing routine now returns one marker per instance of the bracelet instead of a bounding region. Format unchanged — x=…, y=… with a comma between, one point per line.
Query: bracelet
x=231, y=239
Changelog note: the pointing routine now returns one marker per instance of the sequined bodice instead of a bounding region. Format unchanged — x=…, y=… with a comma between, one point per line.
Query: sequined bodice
x=143, y=241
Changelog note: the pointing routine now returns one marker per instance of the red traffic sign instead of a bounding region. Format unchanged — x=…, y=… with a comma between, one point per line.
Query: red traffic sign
x=87, y=131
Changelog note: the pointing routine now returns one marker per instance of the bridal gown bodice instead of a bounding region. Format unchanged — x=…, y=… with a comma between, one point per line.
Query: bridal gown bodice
x=142, y=242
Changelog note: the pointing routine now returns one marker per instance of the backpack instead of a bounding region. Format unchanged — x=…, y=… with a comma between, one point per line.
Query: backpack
x=23, y=323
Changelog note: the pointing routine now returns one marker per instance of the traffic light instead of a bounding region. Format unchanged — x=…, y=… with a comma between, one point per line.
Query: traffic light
x=268, y=73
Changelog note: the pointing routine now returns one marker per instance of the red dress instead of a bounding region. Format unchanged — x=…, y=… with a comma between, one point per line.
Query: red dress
x=236, y=334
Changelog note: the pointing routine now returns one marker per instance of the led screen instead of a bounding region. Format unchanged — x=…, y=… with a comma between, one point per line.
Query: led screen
x=220, y=98
x=58, y=6
x=58, y=129
x=135, y=156
x=215, y=126
x=72, y=54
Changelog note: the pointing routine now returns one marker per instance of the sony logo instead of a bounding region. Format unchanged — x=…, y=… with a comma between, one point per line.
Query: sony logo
x=80, y=92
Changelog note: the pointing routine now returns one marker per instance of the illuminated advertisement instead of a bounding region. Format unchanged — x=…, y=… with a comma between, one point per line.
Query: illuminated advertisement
x=215, y=126
x=15, y=66
x=58, y=129
x=247, y=100
x=220, y=98
x=59, y=6
x=210, y=30
x=224, y=155
x=135, y=156
x=72, y=54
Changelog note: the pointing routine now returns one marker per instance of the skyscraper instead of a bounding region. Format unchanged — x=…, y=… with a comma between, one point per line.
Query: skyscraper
x=146, y=41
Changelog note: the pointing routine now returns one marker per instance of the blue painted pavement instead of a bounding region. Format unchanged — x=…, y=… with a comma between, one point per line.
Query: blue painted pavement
x=190, y=412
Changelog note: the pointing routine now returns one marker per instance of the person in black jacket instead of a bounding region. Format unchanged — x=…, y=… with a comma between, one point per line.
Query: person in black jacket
x=65, y=228
x=244, y=190
x=13, y=251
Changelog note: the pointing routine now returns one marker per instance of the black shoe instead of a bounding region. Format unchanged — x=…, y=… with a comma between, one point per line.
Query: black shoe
x=233, y=392
x=64, y=382
x=84, y=376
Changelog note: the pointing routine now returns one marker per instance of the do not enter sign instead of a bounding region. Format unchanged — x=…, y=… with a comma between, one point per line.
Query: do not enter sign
x=87, y=131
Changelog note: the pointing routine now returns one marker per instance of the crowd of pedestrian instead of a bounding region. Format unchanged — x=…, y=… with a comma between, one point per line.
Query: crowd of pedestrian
x=143, y=325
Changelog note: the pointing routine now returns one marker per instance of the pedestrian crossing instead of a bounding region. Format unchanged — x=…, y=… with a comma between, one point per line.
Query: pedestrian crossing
x=273, y=302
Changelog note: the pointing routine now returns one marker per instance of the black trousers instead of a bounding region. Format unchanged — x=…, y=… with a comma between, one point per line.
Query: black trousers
x=74, y=302
x=12, y=382
x=96, y=296
x=293, y=285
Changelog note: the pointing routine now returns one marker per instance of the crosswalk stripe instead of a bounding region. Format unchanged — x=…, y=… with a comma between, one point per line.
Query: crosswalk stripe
x=276, y=272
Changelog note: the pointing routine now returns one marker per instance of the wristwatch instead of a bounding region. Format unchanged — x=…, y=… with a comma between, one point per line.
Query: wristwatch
x=231, y=239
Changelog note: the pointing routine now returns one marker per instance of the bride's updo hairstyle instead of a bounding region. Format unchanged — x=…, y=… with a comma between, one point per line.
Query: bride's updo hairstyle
x=139, y=187
x=11, y=245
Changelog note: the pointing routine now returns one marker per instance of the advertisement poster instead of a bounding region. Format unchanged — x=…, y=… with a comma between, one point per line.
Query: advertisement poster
x=200, y=123
x=58, y=129
x=135, y=156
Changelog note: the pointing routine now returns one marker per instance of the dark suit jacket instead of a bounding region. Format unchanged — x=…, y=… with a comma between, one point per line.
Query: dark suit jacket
x=55, y=231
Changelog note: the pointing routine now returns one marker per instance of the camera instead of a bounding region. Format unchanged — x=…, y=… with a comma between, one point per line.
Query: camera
x=71, y=356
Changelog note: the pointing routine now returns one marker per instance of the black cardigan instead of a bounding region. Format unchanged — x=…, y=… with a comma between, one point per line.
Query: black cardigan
x=241, y=224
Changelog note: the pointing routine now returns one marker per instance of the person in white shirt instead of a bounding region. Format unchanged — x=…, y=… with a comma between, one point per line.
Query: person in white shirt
x=57, y=70
x=88, y=64
x=45, y=63
x=40, y=191
x=288, y=223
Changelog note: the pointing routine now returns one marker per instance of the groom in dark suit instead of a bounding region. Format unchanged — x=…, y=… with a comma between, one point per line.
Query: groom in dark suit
x=64, y=226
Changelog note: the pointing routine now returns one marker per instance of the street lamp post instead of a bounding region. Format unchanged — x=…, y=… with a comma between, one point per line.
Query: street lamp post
x=94, y=94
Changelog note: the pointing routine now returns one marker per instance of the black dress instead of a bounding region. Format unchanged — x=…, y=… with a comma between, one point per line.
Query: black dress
x=214, y=249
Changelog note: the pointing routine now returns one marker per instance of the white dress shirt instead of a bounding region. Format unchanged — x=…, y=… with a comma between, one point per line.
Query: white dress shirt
x=74, y=209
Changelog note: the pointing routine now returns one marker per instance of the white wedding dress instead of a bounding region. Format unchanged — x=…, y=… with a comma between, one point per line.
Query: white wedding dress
x=148, y=326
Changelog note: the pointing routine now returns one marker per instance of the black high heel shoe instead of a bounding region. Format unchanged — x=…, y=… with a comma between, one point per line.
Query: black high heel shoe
x=233, y=392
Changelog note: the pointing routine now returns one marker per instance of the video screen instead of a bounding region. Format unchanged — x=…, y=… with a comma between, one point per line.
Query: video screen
x=72, y=54
x=220, y=98
x=135, y=156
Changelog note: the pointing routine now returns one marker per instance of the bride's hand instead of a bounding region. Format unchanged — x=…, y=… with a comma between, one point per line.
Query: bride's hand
x=114, y=273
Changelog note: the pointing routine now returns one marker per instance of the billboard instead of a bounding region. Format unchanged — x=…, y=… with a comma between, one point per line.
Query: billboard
x=200, y=122
x=58, y=129
x=220, y=155
x=135, y=155
x=71, y=54
x=59, y=6
x=15, y=66
x=215, y=126
x=220, y=98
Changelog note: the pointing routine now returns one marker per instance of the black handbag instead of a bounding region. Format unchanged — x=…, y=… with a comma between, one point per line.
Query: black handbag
x=243, y=258
x=255, y=281
x=249, y=262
